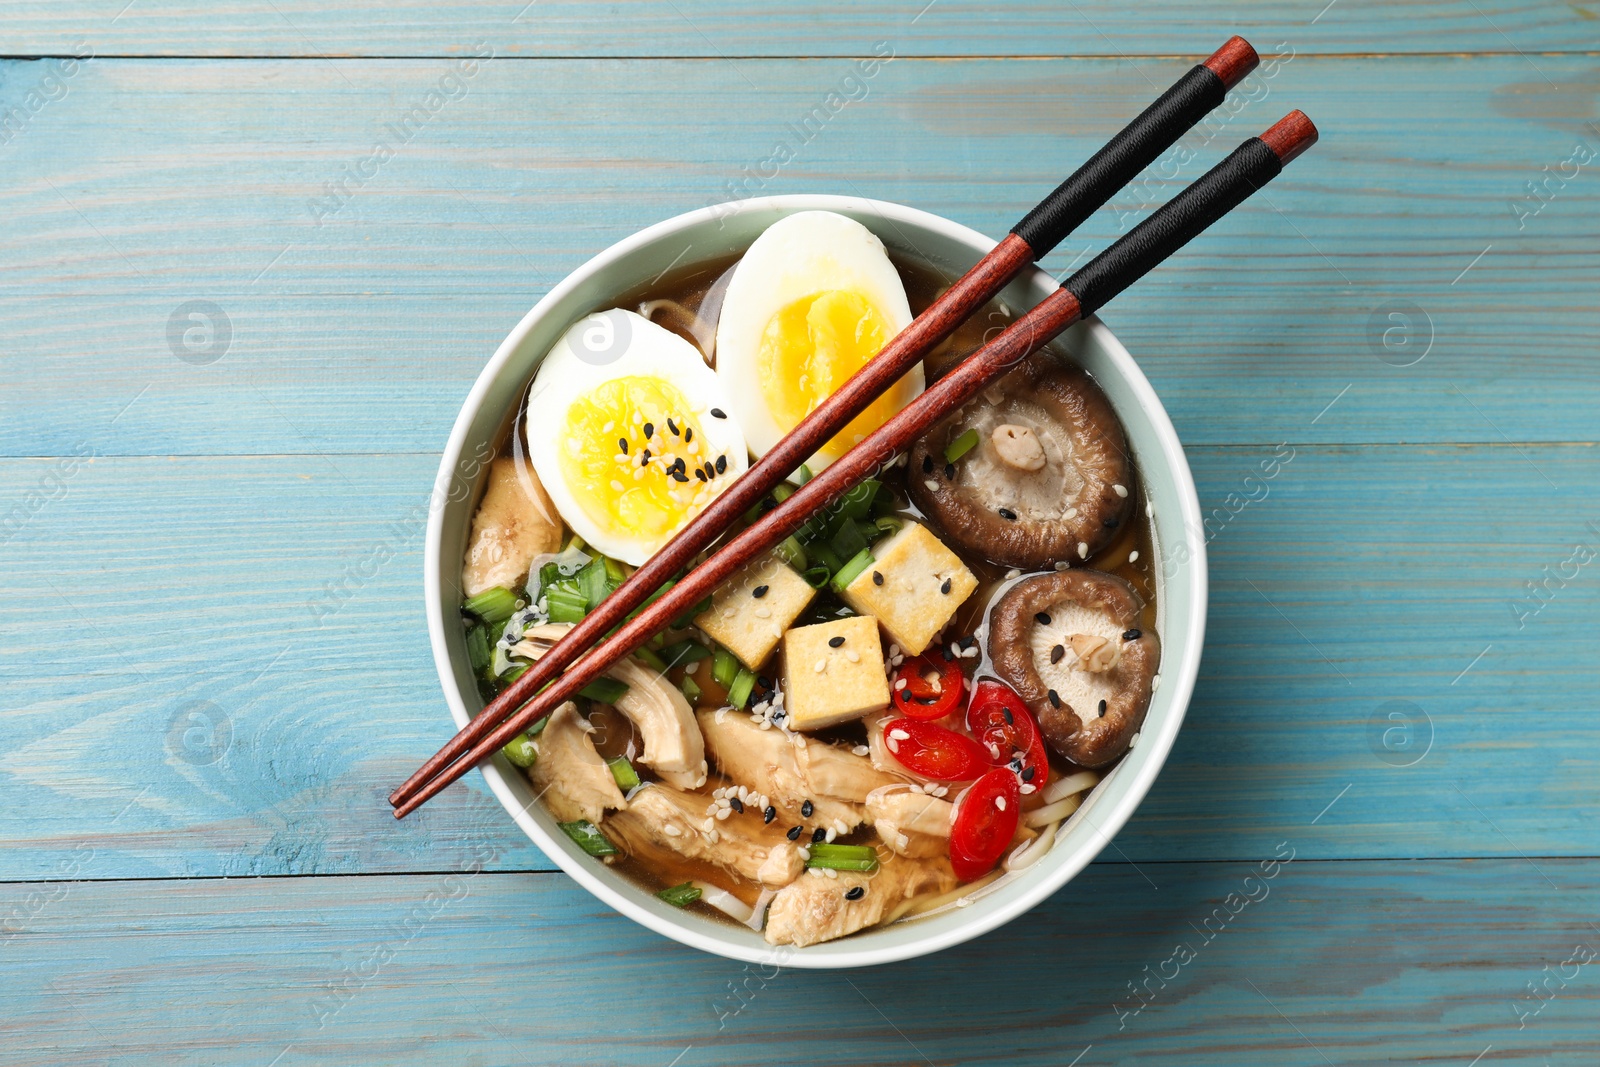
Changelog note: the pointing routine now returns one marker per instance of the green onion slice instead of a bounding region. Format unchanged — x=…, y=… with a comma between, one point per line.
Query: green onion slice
x=724, y=667
x=681, y=896
x=627, y=778
x=589, y=837
x=842, y=857
x=521, y=751
x=960, y=446
x=852, y=570
x=604, y=690
x=492, y=605
x=739, y=691
x=790, y=552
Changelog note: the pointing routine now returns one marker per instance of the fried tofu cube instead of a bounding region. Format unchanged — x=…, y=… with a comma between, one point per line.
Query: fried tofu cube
x=913, y=587
x=749, y=614
x=833, y=672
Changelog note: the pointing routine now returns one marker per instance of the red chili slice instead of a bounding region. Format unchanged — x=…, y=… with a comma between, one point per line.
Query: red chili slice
x=985, y=823
x=932, y=687
x=1005, y=727
x=934, y=752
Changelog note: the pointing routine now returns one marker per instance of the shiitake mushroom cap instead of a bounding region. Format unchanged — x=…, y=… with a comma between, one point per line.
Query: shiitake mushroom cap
x=1021, y=647
x=1022, y=518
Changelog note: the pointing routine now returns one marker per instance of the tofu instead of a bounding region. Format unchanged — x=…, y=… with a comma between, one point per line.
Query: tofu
x=911, y=602
x=750, y=626
x=825, y=684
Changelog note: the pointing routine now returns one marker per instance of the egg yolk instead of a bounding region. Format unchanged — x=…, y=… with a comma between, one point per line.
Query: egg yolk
x=810, y=348
x=635, y=459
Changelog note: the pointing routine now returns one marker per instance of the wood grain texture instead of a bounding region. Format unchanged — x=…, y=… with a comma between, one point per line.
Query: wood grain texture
x=1332, y=963
x=361, y=335
x=718, y=28
x=1351, y=579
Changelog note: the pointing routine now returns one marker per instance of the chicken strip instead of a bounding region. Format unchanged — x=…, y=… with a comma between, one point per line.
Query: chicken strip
x=514, y=523
x=660, y=818
x=569, y=774
x=818, y=908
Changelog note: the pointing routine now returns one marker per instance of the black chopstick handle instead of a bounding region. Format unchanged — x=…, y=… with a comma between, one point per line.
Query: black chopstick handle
x=1156, y=129
x=1211, y=196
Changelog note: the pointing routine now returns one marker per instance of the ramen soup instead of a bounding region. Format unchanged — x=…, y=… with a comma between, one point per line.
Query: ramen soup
x=902, y=701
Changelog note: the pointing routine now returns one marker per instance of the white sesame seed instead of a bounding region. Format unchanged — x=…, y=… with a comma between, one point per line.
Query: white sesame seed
x=862, y=750
x=900, y=683
x=1000, y=802
x=894, y=746
x=723, y=813
x=638, y=474
x=1027, y=787
x=611, y=424
x=1062, y=564
x=692, y=668
x=830, y=872
x=1120, y=490
x=1070, y=513
x=932, y=485
x=851, y=655
x=671, y=830
x=766, y=724
x=830, y=834
x=822, y=665
x=1134, y=740
x=709, y=825
x=1155, y=682
x=899, y=735
x=616, y=486
x=763, y=613
x=1083, y=550
x=1133, y=557
x=1013, y=573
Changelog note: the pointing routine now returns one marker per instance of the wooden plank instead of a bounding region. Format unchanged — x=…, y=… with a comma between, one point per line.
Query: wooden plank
x=283, y=595
x=1321, y=963
x=722, y=28
x=362, y=334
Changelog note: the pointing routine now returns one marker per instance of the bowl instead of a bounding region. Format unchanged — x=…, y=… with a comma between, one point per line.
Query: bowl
x=726, y=230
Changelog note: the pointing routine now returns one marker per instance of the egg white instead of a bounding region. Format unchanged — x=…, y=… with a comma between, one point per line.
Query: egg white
x=595, y=350
x=802, y=254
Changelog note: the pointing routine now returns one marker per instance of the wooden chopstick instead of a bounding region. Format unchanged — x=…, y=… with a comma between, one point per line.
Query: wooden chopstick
x=1211, y=196
x=1092, y=185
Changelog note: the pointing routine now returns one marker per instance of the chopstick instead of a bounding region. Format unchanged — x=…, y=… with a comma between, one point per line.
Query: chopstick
x=1136, y=146
x=1214, y=194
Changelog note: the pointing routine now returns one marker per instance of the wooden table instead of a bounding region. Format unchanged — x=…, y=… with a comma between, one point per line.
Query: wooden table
x=236, y=335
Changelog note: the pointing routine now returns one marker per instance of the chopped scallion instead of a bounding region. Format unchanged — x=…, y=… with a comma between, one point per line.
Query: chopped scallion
x=650, y=659
x=592, y=583
x=790, y=552
x=781, y=492
x=849, y=540
x=565, y=602
x=604, y=690
x=478, y=649
x=589, y=837
x=682, y=652
x=842, y=857
x=522, y=751
x=739, y=691
x=616, y=570
x=888, y=524
x=852, y=570
x=816, y=577
x=681, y=896
x=627, y=778
x=691, y=692
x=724, y=667
x=823, y=555
x=803, y=475
x=492, y=605
x=961, y=446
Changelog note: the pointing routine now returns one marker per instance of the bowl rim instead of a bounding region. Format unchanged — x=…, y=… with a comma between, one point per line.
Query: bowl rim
x=1178, y=677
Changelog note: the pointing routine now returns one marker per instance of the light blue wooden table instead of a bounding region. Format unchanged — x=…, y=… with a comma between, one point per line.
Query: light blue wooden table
x=1400, y=679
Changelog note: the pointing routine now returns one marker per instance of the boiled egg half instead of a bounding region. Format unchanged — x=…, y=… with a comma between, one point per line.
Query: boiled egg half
x=811, y=302
x=630, y=433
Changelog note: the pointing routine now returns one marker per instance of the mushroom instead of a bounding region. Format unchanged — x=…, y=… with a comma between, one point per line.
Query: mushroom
x=1071, y=645
x=673, y=746
x=1047, y=480
x=514, y=523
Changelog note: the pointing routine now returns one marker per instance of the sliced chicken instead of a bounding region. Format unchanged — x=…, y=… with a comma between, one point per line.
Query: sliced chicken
x=514, y=523
x=673, y=747
x=911, y=823
x=569, y=774
x=662, y=819
x=770, y=762
x=818, y=908
x=837, y=772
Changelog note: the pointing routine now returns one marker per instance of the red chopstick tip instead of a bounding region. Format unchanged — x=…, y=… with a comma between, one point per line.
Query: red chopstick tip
x=1291, y=135
x=1233, y=61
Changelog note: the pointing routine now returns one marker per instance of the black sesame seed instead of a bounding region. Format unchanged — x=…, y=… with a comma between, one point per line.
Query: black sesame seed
x=718, y=413
x=736, y=804
x=1010, y=718
x=944, y=587
x=1055, y=699
x=968, y=641
x=819, y=834
x=806, y=808
x=711, y=470
x=1056, y=654
x=688, y=434
x=763, y=681
x=1028, y=773
x=927, y=464
x=759, y=591
x=1132, y=635
x=673, y=427
x=644, y=457
x=622, y=443
x=835, y=642
x=770, y=814
x=722, y=464
x=855, y=892
x=794, y=833
x=649, y=430
x=679, y=476
x=945, y=652
x=698, y=473
x=877, y=579
x=1102, y=707
x=1008, y=514
x=949, y=470
x=1042, y=618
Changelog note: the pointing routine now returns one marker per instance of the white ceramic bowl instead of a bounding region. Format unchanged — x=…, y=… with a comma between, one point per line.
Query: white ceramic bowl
x=725, y=230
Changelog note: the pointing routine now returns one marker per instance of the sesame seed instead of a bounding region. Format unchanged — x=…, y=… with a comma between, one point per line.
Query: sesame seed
x=722, y=464
x=835, y=642
x=1133, y=557
x=671, y=830
x=644, y=457
x=711, y=470
x=822, y=665
x=899, y=735
x=1132, y=635
x=819, y=834
x=763, y=613
x=688, y=434
x=674, y=428
x=862, y=750
x=932, y=485
x=1042, y=618
x=1120, y=490
x=679, y=476
x=718, y=413
x=877, y=579
x=850, y=654
x=1000, y=802
x=1102, y=709
x=1056, y=653
x=1062, y=564
x=794, y=833
x=1083, y=550
x=759, y=591
x=899, y=684
x=806, y=808
x=944, y=587
x=1008, y=515
x=1028, y=773
x=770, y=814
x=723, y=813
x=622, y=443
x=698, y=473
x=649, y=430
x=1055, y=699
